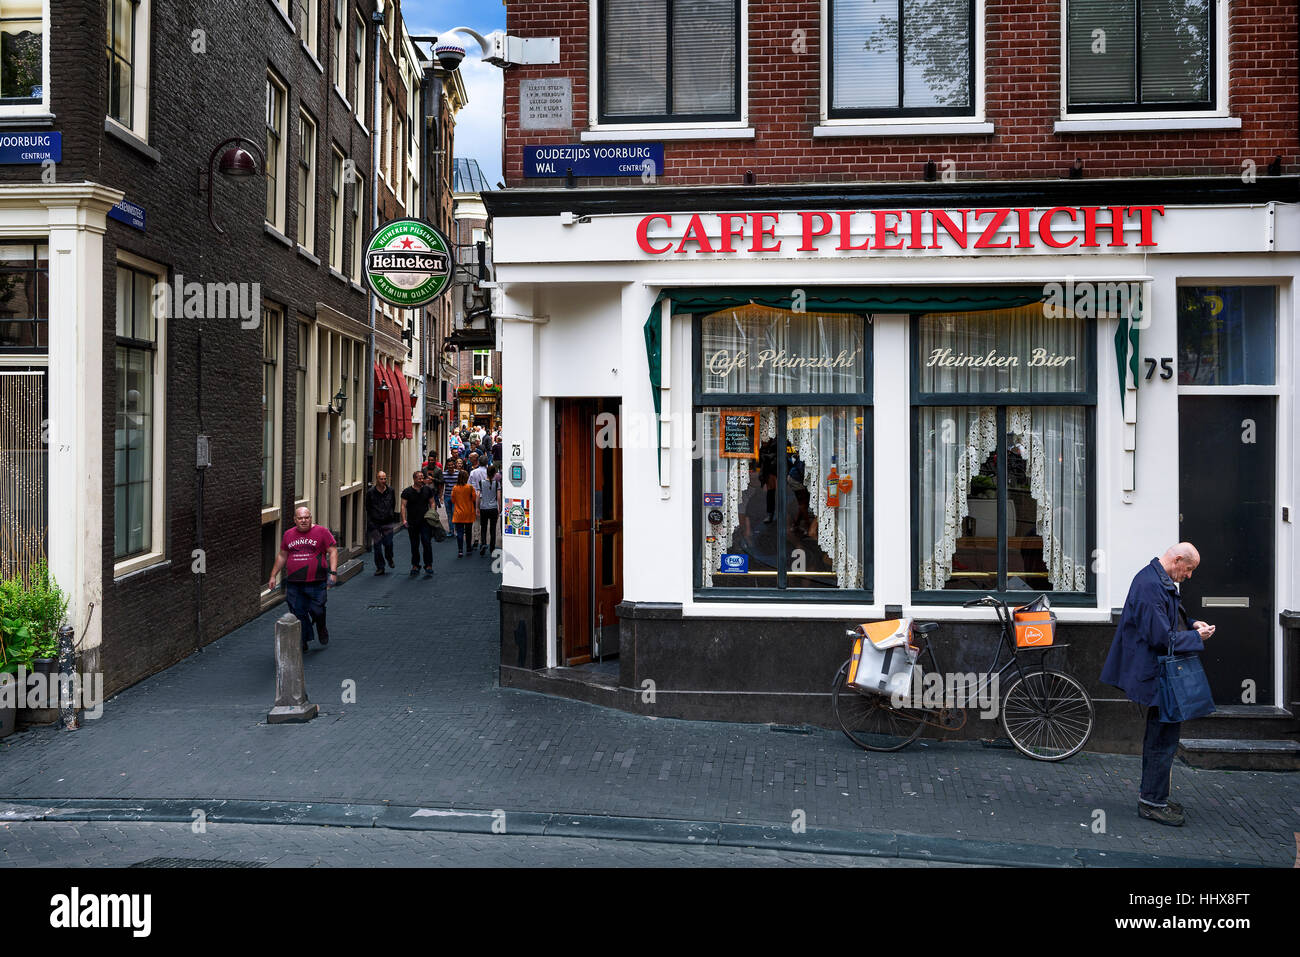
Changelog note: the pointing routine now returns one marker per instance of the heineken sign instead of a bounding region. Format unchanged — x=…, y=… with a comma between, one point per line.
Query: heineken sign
x=408, y=263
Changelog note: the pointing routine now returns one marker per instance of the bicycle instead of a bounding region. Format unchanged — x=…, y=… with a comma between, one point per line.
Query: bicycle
x=1046, y=712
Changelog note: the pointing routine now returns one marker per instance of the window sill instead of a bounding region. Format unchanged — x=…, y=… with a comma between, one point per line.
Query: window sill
x=123, y=135
x=361, y=123
x=339, y=276
x=11, y=117
x=283, y=16
x=613, y=135
x=357, y=286
x=306, y=253
x=311, y=53
x=276, y=234
x=134, y=567
x=937, y=128
x=339, y=93
x=270, y=513
x=1150, y=123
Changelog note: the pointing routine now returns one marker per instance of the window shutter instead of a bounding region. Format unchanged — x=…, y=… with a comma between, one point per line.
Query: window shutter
x=704, y=57
x=635, y=61
x=865, y=54
x=1101, y=77
x=1175, y=51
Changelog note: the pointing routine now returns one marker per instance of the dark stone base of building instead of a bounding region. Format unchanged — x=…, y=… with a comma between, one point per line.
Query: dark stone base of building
x=781, y=672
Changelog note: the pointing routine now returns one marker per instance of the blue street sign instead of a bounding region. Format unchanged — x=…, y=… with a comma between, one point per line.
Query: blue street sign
x=17, y=148
x=594, y=159
x=128, y=212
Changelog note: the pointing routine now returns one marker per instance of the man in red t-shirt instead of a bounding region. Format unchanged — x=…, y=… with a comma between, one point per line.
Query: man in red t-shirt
x=309, y=556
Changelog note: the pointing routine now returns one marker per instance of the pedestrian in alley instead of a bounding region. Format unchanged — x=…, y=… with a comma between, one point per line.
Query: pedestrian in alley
x=416, y=500
x=1154, y=623
x=478, y=480
x=466, y=510
x=382, y=520
x=309, y=556
x=453, y=469
x=489, y=510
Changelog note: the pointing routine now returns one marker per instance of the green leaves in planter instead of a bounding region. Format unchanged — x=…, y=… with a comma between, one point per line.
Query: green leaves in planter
x=30, y=616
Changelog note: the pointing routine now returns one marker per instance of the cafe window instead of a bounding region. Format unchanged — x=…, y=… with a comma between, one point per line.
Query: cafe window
x=1140, y=55
x=901, y=57
x=783, y=432
x=22, y=52
x=25, y=298
x=1004, y=405
x=669, y=60
x=1227, y=335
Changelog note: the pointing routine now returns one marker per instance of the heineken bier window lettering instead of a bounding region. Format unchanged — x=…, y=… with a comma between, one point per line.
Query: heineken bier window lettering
x=408, y=263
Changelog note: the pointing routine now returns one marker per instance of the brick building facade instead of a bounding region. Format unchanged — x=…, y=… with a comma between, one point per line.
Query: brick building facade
x=250, y=330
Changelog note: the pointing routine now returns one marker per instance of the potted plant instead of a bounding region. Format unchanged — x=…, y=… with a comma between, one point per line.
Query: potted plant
x=30, y=616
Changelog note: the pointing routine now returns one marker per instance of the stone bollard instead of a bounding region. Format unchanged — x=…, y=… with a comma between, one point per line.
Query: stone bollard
x=291, y=704
x=69, y=683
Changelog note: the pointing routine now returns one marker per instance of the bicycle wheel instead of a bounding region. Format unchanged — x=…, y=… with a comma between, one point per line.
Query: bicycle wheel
x=868, y=720
x=1047, y=715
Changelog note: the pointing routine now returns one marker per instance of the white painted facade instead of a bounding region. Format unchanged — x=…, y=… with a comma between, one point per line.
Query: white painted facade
x=574, y=297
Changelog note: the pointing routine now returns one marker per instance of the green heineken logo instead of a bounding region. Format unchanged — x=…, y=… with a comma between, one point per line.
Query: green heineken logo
x=408, y=263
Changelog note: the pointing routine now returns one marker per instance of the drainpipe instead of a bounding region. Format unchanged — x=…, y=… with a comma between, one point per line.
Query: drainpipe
x=426, y=352
x=376, y=134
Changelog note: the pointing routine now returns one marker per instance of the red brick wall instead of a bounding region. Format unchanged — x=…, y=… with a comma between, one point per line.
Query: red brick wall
x=1022, y=99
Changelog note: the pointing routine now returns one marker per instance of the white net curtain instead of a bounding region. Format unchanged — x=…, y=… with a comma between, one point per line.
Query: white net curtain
x=956, y=441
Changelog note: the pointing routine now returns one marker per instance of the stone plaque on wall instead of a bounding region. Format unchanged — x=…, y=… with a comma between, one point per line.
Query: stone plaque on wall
x=546, y=103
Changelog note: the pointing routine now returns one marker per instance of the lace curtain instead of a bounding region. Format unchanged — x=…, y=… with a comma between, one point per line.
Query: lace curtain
x=731, y=477
x=817, y=435
x=757, y=349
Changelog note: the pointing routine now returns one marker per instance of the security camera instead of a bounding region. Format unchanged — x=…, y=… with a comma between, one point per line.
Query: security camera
x=449, y=55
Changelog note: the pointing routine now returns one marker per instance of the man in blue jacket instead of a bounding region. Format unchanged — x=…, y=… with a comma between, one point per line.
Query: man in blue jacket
x=1153, y=624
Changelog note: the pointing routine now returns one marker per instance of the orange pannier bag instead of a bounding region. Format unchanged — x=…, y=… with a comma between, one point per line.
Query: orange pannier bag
x=1034, y=629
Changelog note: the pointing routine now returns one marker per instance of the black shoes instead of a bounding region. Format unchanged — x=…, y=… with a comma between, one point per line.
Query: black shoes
x=414, y=572
x=324, y=637
x=1163, y=815
x=379, y=570
x=428, y=573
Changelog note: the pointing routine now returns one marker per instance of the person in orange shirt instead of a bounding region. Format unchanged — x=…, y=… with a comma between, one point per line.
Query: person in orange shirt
x=465, y=502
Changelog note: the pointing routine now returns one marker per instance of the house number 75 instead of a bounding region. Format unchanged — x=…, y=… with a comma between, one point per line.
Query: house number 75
x=1166, y=367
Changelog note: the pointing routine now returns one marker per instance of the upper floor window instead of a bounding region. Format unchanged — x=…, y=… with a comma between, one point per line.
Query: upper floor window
x=339, y=46
x=1140, y=55
x=306, y=181
x=359, y=70
x=22, y=35
x=336, y=210
x=276, y=95
x=482, y=363
x=901, y=58
x=24, y=298
x=669, y=60
x=308, y=24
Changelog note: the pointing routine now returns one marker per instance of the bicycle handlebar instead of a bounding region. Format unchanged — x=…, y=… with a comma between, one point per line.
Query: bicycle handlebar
x=986, y=600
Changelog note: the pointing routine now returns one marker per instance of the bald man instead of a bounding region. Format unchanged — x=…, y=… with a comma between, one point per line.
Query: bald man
x=309, y=556
x=382, y=520
x=1153, y=624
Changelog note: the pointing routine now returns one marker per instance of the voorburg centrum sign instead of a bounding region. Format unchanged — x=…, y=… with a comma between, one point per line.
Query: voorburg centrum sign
x=408, y=263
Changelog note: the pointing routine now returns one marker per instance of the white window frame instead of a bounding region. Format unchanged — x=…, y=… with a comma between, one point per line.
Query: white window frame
x=339, y=45
x=306, y=232
x=703, y=130
x=359, y=64
x=41, y=109
x=486, y=355
x=273, y=315
x=358, y=228
x=336, y=210
x=139, y=73
x=311, y=30
x=903, y=125
x=282, y=150
x=1216, y=119
x=158, y=537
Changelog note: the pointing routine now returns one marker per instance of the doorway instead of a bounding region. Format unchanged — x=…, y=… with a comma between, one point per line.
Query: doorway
x=589, y=528
x=1226, y=499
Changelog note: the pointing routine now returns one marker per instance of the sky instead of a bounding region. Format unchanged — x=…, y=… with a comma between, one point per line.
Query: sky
x=478, y=125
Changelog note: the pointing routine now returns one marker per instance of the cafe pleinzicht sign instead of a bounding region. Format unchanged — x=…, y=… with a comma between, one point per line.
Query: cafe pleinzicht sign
x=408, y=263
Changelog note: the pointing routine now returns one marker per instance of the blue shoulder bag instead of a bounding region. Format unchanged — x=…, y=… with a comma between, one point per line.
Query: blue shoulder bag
x=1183, y=690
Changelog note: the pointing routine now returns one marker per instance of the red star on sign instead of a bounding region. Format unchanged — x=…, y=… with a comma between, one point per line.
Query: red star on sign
x=406, y=243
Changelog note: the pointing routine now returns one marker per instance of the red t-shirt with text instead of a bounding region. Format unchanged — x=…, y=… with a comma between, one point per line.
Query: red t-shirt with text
x=308, y=559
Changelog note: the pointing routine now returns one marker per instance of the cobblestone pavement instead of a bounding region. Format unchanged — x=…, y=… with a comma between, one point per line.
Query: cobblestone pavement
x=123, y=844
x=428, y=727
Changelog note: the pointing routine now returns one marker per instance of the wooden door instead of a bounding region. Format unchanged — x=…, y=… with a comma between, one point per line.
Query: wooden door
x=574, y=528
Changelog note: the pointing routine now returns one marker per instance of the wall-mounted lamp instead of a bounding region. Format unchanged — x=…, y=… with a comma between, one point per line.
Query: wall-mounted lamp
x=340, y=401
x=235, y=162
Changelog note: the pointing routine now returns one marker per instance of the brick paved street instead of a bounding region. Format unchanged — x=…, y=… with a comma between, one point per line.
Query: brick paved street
x=429, y=728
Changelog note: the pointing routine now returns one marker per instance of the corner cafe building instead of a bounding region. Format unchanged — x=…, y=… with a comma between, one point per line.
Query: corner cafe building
x=744, y=418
